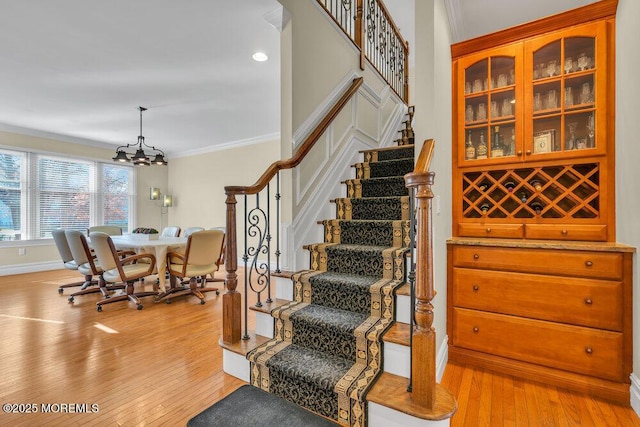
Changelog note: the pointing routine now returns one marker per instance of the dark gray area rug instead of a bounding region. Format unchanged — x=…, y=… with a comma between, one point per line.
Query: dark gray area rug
x=250, y=406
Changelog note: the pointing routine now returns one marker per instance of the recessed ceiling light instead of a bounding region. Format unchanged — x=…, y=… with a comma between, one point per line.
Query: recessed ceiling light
x=260, y=56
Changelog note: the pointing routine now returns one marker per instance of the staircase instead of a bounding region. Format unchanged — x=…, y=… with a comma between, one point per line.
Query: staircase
x=327, y=350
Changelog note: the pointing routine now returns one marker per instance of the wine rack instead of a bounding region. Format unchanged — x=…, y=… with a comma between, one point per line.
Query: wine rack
x=545, y=192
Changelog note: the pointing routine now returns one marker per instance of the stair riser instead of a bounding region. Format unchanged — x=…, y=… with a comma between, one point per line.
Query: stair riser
x=380, y=208
x=367, y=233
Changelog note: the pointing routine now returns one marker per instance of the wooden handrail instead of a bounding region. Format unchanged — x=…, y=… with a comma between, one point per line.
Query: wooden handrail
x=423, y=348
x=231, y=300
x=306, y=146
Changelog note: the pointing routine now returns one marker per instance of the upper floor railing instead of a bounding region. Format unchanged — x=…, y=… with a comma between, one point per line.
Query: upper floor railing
x=370, y=26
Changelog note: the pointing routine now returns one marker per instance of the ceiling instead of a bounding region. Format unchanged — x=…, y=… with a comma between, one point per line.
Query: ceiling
x=77, y=70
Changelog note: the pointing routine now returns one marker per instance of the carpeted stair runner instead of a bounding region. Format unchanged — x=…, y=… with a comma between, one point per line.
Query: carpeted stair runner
x=327, y=348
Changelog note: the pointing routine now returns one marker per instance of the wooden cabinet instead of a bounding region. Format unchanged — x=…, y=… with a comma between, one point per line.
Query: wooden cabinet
x=533, y=133
x=554, y=313
x=536, y=285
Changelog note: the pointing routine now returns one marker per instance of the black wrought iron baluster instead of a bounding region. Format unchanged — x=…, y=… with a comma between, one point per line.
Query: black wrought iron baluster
x=245, y=259
x=257, y=220
x=278, y=253
x=268, y=246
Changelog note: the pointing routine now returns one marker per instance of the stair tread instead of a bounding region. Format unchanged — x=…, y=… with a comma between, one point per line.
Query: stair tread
x=329, y=317
x=243, y=346
x=371, y=150
x=267, y=307
x=390, y=391
x=399, y=333
x=310, y=365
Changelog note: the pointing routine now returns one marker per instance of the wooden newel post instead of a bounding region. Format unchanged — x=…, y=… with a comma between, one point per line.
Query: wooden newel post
x=423, y=350
x=231, y=300
x=359, y=31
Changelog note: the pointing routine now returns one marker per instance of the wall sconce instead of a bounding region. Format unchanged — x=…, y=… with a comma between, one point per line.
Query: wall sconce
x=167, y=199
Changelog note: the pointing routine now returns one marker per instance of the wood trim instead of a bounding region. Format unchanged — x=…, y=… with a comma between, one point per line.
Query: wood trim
x=600, y=10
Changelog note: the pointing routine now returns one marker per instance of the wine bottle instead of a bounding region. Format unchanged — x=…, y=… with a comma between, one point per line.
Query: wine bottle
x=485, y=208
x=510, y=186
x=536, y=184
x=496, y=144
x=470, y=150
x=481, y=152
x=537, y=206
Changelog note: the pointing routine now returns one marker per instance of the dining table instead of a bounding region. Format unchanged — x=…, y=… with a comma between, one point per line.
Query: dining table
x=158, y=247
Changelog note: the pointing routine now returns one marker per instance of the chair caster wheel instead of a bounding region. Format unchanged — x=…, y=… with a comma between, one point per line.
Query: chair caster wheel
x=217, y=292
x=99, y=308
x=168, y=301
x=60, y=290
x=202, y=302
x=70, y=299
x=139, y=307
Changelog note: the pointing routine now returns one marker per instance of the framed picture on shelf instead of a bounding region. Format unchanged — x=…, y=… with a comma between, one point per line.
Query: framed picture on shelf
x=544, y=142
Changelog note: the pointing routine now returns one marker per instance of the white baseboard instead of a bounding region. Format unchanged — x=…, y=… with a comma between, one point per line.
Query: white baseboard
x=635, y=393
x=236, y=365
x=442, y=358
x=382, y=416
x=30, y=268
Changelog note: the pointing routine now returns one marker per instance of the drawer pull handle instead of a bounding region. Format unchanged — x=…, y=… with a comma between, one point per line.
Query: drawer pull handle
x=564, y=232
x=588, y=301
x=476, y=256
x=589, y=263
x=588, y=350
x=488, y=229
x=476, y=288
x=476, y=329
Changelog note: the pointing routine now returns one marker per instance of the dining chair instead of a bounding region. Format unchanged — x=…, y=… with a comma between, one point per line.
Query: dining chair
x=124, y=270
x=190, y=230
x=88, y=266
x=198, y=259
x=171, y=231
x=111, y=230
x=67, y=257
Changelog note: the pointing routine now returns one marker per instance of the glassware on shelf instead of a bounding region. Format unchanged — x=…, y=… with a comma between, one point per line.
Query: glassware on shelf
x=537, y=102
x=591, y=131
x=512, y=143
x=468, y=114
x=568, y=96
x=583, y=61
x=467, y=87
x=552, y=100
x=507, y=109
x=502, y=80
x=586, y=95
x=581, y=143
x=482, y=112
x=568, y=65
x=571, y=142
x=552, y=68
x=494, y=109
x=477, y=85
x=539, y=71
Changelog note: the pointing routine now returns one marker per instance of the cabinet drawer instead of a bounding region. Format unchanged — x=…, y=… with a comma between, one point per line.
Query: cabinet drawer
x=598, y=265
x=596, y=233
x=572, y=348
x=585, y=302
x=504, y=231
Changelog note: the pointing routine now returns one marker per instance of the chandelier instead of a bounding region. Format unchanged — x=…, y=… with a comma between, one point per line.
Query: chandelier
x=140, y=158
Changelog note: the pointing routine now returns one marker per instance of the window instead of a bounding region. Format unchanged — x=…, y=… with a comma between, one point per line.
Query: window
x=39, y=193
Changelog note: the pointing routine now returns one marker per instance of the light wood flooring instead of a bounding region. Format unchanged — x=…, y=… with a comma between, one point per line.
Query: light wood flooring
x=162, y=365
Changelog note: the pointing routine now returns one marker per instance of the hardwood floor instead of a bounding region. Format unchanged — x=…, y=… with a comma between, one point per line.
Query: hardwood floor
x=162, y=365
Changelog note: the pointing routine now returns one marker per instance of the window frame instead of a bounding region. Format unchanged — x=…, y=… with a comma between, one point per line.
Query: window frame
x=29, y=194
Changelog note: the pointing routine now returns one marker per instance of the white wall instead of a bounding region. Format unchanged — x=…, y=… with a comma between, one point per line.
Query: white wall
x=628, y=148
x=432, y=97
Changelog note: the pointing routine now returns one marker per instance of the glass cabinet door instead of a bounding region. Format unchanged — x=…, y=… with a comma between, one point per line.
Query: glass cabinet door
x=567, y=75
x=490, y=84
